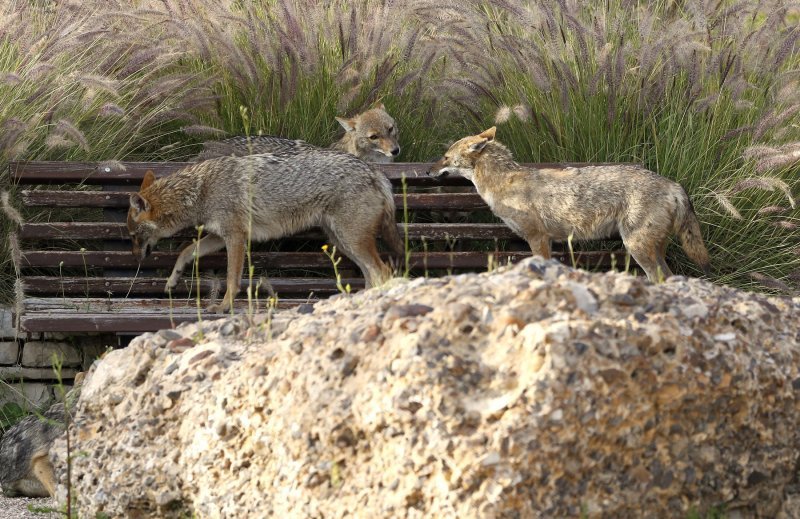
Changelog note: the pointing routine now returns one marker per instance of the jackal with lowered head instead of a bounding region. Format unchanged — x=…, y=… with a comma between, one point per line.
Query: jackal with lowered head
x=586, y=203
x=265, y=197
x=372, y=136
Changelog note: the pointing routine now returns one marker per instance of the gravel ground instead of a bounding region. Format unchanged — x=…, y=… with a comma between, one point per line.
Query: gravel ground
x=17, y=508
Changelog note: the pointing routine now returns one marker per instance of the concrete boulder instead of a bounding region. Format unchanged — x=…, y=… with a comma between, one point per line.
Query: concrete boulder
x=532, y=391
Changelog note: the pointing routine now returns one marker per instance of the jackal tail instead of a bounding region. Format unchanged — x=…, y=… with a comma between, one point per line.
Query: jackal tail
x=389, y=233
x=688, y=230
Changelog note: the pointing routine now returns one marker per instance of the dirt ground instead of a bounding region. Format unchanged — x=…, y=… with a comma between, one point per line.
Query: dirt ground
x=17, y=508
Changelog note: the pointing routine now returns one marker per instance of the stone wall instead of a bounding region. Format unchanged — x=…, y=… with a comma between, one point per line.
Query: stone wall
x=26, y=361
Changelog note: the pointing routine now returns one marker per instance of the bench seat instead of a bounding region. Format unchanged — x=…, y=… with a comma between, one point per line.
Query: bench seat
x=78, y=273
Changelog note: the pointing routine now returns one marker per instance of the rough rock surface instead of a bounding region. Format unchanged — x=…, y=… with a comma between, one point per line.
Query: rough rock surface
x=533, y=391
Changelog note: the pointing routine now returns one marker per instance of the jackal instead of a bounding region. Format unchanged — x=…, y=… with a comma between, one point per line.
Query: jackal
x=588, y=203
x=26, y=469
x=371, y=136
x=268, y=196
x=25, y=466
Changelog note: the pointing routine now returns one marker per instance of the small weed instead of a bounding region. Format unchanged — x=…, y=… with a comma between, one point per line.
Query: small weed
x=344, y=289
x=336, y=474
x=171, y=318
x=86, y=274
x=451, y=242
x=406, y=248
x=196, y=275
x=571, y=250
x=61, y=279
x=424, y=257
x=63, y=397
x=243, y=113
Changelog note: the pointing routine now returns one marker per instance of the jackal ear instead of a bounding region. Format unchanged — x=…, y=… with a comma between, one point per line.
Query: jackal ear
x=348, y=124
x=379, y=105
x=479, y=145
x=139, y=203
x=149, y=178
x=488, y=134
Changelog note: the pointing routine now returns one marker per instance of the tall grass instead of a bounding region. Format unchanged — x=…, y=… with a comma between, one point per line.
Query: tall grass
x=702, y=92
x=684, y=88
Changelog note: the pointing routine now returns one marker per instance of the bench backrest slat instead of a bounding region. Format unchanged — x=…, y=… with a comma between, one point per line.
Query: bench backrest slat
x=119, y=231
x=132, y=173
x=283, y=260
x=120, y=200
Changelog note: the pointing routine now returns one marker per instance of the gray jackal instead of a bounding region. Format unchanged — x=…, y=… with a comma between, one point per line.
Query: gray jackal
x=587, y=203
x=268, y=196
x=371, y=136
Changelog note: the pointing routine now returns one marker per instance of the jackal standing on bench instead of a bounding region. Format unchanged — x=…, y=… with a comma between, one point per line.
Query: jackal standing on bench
x=371, y=136
x=268, y=196
x=588, y=203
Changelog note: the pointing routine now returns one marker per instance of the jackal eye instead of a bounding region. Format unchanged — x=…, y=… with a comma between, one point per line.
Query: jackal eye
x=391, y=129
x=373, y=137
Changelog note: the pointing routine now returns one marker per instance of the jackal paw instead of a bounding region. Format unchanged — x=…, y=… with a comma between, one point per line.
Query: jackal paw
x=172, y=282
x=219, y=308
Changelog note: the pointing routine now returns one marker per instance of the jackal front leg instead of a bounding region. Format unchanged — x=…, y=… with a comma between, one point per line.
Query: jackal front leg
x=207, y=244
x=235, y=246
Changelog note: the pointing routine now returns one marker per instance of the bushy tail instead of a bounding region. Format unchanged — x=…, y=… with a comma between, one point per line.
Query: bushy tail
x=688, y=230
x=389, y=233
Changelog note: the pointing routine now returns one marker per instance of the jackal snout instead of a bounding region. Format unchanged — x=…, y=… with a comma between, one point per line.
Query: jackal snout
x=438, y=169
x=460, y=158
x=140, y=228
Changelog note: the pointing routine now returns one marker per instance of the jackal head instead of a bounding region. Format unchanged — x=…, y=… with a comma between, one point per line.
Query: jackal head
x=374, y=134
x=141, y=226
x=461, y=157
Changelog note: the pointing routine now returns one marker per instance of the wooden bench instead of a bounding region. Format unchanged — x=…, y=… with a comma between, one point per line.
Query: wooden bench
x=79, y=275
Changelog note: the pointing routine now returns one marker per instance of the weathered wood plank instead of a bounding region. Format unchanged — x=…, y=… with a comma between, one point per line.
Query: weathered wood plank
x=284, y=260
x=418, y=261
x=47, y=172
x=120, y=199
x=147, y=286
x=150, y=317
x=37, y=323
x=135, y=305
x=119, y=231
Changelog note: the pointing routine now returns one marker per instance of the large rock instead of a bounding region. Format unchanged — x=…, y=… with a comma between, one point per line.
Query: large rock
x=534, y=391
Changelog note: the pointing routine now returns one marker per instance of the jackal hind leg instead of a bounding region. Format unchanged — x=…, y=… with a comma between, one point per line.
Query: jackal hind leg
x=358, y=242
x=207, y=244
x=645, y=252
x=661, y=258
